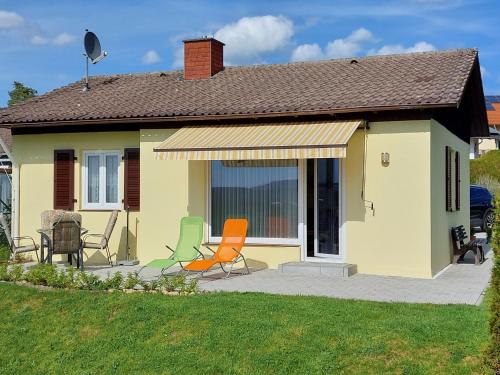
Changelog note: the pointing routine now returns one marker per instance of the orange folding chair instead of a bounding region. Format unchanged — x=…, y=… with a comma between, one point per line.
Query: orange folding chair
x=229, y=251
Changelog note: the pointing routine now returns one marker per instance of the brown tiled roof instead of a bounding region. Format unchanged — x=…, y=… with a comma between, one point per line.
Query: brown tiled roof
x=494, y=114
x=395, y=81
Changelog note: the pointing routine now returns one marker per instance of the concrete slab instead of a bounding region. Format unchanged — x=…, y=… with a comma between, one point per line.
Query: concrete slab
x=457, y=284
x=338, y=270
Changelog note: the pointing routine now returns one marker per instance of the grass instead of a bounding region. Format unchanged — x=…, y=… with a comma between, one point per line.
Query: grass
x=80, y=332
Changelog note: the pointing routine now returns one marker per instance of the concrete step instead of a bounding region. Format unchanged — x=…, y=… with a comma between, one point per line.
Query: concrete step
x=337, y=270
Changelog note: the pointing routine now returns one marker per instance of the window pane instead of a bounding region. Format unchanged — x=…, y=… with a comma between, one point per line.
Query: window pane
x=5, y=191
x=111, y=178
x=93, y=178
x=263, y=191
x=328, y=206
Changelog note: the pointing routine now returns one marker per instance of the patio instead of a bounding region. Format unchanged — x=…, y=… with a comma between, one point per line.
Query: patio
x=463, y=283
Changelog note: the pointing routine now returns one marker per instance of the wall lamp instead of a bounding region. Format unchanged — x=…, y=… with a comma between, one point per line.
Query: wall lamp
x=384, y=157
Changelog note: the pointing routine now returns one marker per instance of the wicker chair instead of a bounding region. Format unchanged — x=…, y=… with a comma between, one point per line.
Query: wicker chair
x=48, y=219
x=15, y=242
x=101, y=241
x=66, y=237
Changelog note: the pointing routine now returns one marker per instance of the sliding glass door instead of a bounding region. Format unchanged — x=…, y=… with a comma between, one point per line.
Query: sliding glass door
x=323, y=208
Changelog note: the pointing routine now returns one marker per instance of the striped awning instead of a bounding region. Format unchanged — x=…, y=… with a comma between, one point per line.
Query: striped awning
x=304, y=140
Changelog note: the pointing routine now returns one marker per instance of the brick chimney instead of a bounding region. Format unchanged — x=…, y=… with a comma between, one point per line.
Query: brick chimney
x=203, y=58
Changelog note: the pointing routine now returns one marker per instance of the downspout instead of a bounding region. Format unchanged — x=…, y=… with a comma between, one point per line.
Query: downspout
x=363, y=180
x=15, y=191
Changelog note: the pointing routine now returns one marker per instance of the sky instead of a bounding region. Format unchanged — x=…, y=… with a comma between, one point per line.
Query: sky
x=42, y=41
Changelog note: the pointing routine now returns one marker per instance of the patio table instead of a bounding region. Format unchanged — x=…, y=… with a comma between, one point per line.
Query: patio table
x=45, y=242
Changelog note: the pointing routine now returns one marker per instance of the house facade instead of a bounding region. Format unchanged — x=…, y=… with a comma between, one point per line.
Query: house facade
x=361, y=161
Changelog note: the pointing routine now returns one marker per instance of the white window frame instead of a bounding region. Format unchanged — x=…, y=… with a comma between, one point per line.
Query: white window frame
x=260, y=240
x=102, y=205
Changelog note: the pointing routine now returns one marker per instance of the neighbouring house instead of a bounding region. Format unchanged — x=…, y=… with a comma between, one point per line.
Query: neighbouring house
x=481, y=145
x=361, y=160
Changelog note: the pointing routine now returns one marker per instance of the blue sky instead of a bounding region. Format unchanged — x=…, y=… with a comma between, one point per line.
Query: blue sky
x=42, y=40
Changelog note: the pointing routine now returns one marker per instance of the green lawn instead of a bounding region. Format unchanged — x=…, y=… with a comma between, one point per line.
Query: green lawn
x=101, y=333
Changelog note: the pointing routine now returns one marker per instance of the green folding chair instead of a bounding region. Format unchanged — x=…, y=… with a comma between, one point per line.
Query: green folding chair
x=188, y=245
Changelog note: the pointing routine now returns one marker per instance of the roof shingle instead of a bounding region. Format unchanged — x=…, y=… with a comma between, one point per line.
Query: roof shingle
x=407, y=80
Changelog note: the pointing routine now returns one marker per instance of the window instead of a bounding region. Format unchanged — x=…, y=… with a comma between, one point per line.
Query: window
x=100, y=180
x=263, y=191
x=132, y=193
x=453, y=180
x=5, y=191
x=457, y=181
x=64, y=179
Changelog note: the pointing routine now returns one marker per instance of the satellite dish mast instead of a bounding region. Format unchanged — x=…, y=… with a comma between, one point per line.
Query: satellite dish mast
x=92, y=53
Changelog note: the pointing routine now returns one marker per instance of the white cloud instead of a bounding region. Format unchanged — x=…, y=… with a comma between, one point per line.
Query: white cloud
x=349, y=46
x=343, y=47
x=391, y=49
x=249, y=37
x=30, y=31
x=151, y=57
x=361, y=35
x=10, y=20
x=38, y=39
x=63, y=38
x=307, y=52
x=58, y=40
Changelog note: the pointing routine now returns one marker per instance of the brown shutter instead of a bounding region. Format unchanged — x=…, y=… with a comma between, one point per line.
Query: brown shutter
x=457, y=181
x=448, y=178
x=132, y=179
x=64, y=179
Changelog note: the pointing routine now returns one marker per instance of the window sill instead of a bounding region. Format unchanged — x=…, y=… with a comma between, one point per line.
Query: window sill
x=99, y=209
x=261, y=242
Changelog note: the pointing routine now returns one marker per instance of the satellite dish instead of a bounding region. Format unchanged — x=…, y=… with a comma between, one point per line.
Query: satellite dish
x=92, y=45
x=93, y=53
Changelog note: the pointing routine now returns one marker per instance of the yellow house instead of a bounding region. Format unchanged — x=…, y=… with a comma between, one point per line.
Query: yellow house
x=361, y=161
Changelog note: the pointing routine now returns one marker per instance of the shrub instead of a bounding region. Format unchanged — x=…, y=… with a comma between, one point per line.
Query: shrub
x=114, y=282
x=486, y=165
x=88, y=281
x=68, y=279
x=493, y=353
x=3, y=238
x=132, y=281
x=488, y=182
x=4, y=274
x=177, y=283
x=50, y=275
x=41, y=274
x=15, y=273
x=4, y=252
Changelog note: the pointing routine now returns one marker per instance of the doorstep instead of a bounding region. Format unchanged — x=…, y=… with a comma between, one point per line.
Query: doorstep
x=336, y=270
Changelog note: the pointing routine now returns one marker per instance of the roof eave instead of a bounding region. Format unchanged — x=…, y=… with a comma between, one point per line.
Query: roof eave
x=226, y=117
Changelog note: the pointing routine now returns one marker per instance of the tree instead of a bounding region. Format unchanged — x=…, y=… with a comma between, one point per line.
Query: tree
x=20, y=93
